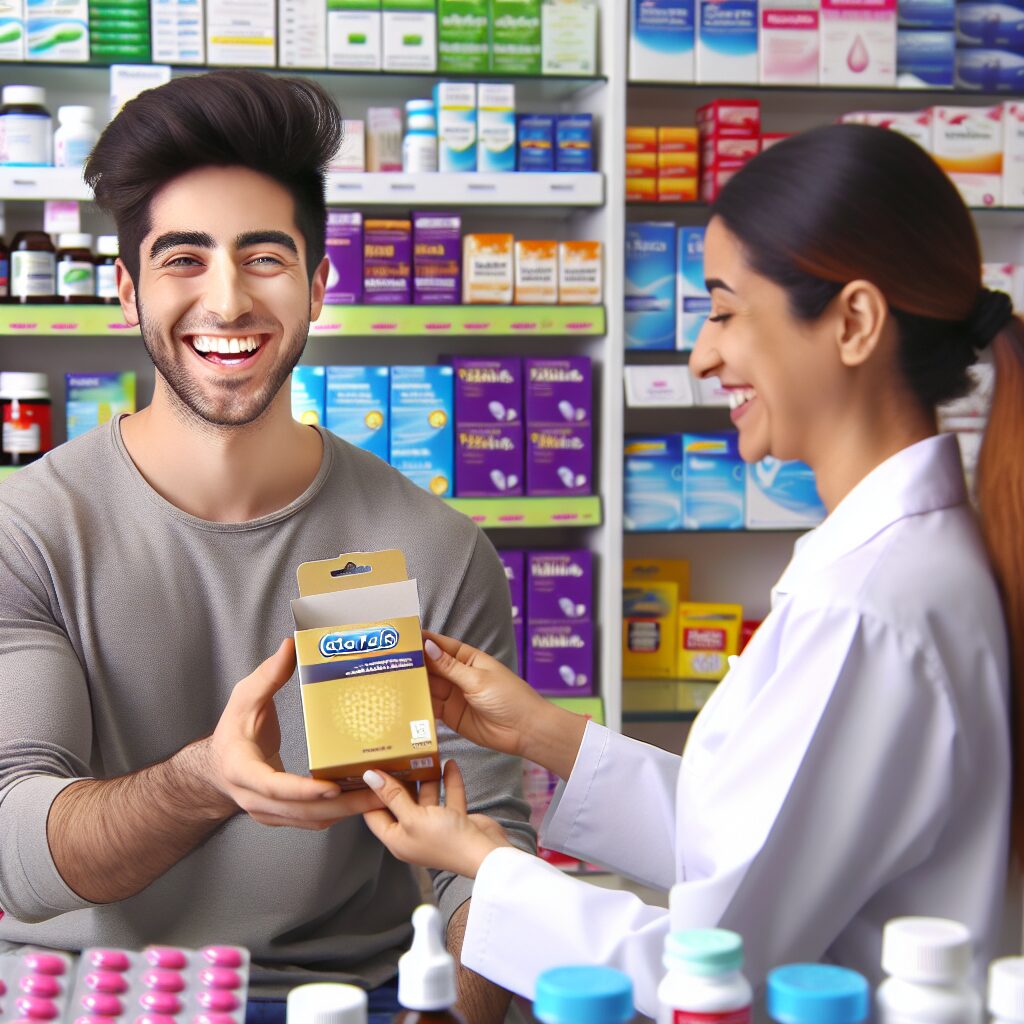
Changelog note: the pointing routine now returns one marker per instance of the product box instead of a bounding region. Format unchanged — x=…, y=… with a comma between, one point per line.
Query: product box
x=96, y=398
x=57, y=31
x=650, y=286
x=536, y=273
x=488, y=390
x=354, y=34
x=383, y=139
x=496, y=127
x=344, y=250
x=580, y=276
x=177, y=32
x=998, y=276
x=559, y=461
x=649, y=625
x=488, y=460
x=359, y=645
x=662, y=38
x=487, y=269
x=927, y=14
x=128, y=80
x=991, y=26
x=536, y=143
x=727, y=41
x=790, y=41
x=436, y=259
x=727, y=153
x=642, y=139
x=119, y=31
x=1013, y=154
x=560, y=658
x=968, y=146
x=351, y=155
x=422, y=433
x=925, y=59
x=558, y=392
x=659, y=570
x=678, y=164
x=714, y=179
x=409, y=32
x=560, y=586
x=309, y=394
x=678, y=140
x=989, y=70
x=387, y=262
x=858, y=42
x=916, y=125
x=463, y=29
x=515, y=37
x=714, y=478
x=658, y=387
x=455, y=103
x=693, y=298
x=357, y=406
x=709, y=634
x=781, y=495
x=641, y=189
x=241, y=33
x=653, y=483
x=513, y=561
x=12, y=30
x=736, y=119
x=303, y=28
x=569, y=37
x=574, y=142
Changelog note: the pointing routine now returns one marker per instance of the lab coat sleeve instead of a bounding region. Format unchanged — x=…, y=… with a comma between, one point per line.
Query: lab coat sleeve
x=581, y=822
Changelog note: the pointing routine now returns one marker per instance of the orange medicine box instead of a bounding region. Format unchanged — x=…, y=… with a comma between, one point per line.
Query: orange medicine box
x=580, y=274
x=641, y=140
x=708, y=635
x=677, y=190
x=536, y=273
x=641, y=165
x=677, y=140
x=642, y=190
x=677, y=165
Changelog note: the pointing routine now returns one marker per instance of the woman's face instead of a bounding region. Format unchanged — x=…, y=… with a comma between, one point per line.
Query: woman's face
x=784, y=375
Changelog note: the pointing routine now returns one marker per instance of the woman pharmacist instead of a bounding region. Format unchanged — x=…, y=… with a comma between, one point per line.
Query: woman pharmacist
x=855, y=763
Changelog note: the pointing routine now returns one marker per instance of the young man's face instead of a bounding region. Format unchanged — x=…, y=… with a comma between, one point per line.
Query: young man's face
x=223, y=297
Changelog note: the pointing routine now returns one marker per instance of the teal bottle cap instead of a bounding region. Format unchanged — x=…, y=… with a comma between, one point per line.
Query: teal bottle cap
x=704, y=951
x=583, y=995
x=817, y=994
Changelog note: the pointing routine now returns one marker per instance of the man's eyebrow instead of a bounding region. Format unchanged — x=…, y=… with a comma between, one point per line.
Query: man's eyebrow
x=716, y=282
x=172, y=239
x=251, y=238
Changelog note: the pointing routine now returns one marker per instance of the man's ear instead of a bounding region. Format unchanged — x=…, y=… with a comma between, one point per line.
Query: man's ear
x=126, y=293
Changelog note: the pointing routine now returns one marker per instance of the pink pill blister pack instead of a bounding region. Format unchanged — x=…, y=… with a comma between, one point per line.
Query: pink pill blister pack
x=35, y=985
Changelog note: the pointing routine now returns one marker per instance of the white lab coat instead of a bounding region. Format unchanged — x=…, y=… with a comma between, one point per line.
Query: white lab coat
x=853, y=766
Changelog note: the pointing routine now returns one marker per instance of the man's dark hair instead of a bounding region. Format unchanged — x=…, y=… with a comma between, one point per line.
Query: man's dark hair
x=286, y=128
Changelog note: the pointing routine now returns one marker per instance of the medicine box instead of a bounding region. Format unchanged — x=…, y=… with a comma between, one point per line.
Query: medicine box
x=781, y=495
x=580, y=274
x=12, y=30
x=354, y=35
x=653, y=483
x=96, y=398
x=387, y=262
x=241, y=35
x=177, y=33
x=487, y=269
x=858, y=42
x=513, y=561
x=968, y=146
x=463, y=28
x=344, y=249
x=496, y=127
x=926, y=14
x=649, y=623
x=574, y=143
x=992, y=26
x=693, y=297
x=925, y=59
x=558, y=391
x=662, y=36
x=383, y=139
x=455, y=104
x=357, y=406
x=790, y=41
x=560, y=658
x=303, y=28
x=409, y=31
x=351, y=155
x=1013, y=154
x=436, y=259
x=488, y=390
x=536, y=273
x=559, y=461
x=659, y=570
x=727, y=41
x=309, y=384
x=989, y=70
x=708, y=635
x=422, y=432
x=489, y=460
x=560, y=586
x=915, y=124
x=569, y=37
x=737, y=119
x=515, y=37
x=536, y=143
x=714, y=480
x=650, y=286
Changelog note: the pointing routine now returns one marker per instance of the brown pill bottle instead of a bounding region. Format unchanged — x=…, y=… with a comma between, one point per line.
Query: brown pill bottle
x=33, y=268
x=76, y=269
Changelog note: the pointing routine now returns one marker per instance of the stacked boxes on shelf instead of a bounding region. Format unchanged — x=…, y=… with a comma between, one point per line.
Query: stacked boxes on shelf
x=730, y=132
x=559, y=426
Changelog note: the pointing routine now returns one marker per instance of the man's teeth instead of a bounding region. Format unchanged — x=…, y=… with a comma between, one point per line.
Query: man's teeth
x=740, y=396
x=224, y=346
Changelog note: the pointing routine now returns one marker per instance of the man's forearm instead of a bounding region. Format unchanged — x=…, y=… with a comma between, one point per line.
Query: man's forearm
x=480, y=1000
x=110, y=838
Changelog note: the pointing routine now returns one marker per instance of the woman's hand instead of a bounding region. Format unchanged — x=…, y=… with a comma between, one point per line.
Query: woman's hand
x=420, y=831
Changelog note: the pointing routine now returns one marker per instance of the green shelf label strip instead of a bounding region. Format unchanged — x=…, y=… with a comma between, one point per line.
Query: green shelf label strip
x=504, y=513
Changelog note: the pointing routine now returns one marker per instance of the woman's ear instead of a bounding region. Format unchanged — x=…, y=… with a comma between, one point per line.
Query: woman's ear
x=862, y=319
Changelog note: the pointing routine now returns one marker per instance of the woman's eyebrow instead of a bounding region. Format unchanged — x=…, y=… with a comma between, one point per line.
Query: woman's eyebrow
x=716, y=282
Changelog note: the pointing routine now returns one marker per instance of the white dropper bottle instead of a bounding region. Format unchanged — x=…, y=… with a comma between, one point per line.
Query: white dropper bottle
x=1006, y=990
x=426, y=974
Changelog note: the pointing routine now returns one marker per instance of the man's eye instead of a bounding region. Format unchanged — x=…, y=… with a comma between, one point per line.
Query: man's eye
x=269, y=260
x=182, y=261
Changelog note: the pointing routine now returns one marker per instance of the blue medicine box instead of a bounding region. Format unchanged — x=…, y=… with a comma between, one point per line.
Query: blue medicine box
x=651, y=286
x=653, y=487
x=308, y=394
x=422, y=426
x=714, y=482
x=574, y=142
x=535, y=143
x=357, y=407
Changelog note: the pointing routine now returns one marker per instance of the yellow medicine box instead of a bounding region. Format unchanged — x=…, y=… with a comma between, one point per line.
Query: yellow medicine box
x=365, y=695
x=651, y=592
x=678, y=140
x=641, y=140
x=708, y=635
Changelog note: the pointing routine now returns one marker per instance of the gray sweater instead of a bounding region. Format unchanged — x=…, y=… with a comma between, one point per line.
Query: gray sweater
x=124, y=625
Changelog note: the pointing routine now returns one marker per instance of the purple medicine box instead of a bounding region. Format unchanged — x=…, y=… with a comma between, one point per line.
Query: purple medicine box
x=558, y=391
x=436, y=259
x=559, y=461
x=345, y=252
x=513, y=561
x=560, y=586
x=489, y=460
x=560, y=658
x=488, y=391
x=387, y=262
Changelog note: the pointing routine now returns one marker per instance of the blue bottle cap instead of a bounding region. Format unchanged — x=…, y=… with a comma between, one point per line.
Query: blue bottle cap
x=817, y=994
x=583, y=995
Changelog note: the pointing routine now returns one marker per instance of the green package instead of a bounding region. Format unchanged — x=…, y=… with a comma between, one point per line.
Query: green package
x=515, y=37
x=463, y=28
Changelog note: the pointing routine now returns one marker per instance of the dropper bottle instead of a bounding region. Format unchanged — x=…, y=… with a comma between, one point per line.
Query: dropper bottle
x=426, y=974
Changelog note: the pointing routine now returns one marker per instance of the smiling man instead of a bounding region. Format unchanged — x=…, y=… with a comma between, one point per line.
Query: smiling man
x=152, y=784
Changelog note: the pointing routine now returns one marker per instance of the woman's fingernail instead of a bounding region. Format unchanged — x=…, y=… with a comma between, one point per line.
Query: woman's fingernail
x=373, y=780
x=433, y=651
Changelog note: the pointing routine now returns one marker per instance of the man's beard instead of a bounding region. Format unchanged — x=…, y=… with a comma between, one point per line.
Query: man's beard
x=232, y=411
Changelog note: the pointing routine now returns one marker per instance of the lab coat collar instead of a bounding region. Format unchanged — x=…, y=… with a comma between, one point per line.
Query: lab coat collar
x=924, y=477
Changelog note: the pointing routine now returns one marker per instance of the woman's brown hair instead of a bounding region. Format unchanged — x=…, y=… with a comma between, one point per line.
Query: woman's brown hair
x=848, y=202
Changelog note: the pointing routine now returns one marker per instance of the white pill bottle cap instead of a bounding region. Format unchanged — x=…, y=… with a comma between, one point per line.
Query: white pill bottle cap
x=426, y=974
x=926, y=950
x=326, y=1002
x=1006, y=988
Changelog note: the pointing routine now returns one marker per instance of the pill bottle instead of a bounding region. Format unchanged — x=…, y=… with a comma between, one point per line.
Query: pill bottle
x=26, y=129
x=326, y=1002
x=426, y=974
x=419, y=147
x=704, y=981
x=928, y=960
x=1006, y=990
x=817, y=994
x=76, y=271
x=33, y=268
x=106, y=269
x=74, y=139
x=25, y=412
x=583, y=995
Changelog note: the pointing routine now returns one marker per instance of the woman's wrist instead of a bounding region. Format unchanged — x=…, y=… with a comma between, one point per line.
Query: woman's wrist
x=554, y=739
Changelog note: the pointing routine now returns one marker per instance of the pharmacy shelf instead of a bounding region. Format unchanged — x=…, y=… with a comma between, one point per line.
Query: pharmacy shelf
x=664, y=700
x=796, y=530
x=340, y=321
x=6, y=471
x=458, y=190
x=926, y=96
x=530, y=513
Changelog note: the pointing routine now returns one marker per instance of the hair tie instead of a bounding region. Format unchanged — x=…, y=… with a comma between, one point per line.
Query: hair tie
x=991, y=313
